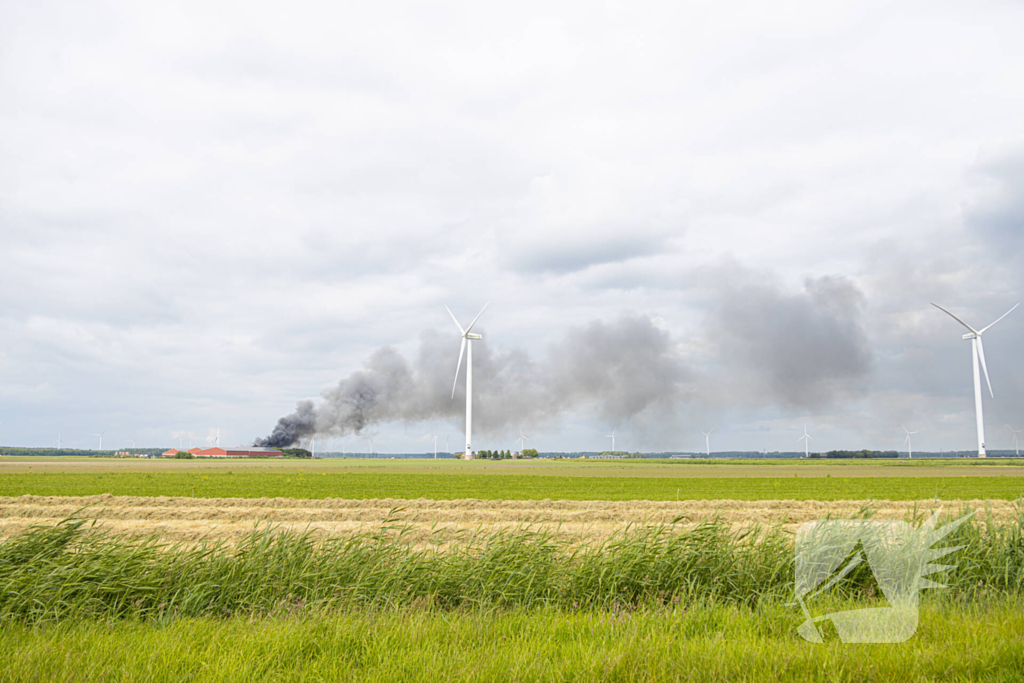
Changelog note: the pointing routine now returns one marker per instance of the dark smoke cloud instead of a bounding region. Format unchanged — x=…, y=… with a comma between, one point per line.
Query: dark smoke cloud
x=622, y=368
x=802, y=349
x=775, y=348
x=291, y=428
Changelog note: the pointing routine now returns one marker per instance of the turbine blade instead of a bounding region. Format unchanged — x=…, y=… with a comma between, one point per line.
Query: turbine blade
x=456, y=321
x=462, y=350
x=477, y=317
x=956, y=318
x=999, y=318
x=984, y=367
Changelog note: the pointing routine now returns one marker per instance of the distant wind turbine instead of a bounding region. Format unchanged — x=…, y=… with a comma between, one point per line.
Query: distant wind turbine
x=910, y=444
x=806, y=438
x=523, y=439
x=467, y=340
x=1016, y=446
x=612, y=437
x=101, y=439
x=978, y=355
x=58, y=440
x=434, y=434
x=312, y=447
x=707, y=440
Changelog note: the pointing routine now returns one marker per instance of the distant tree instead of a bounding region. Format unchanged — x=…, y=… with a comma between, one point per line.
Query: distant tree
x=530, y=453
x=296, y=453
x=183, y=455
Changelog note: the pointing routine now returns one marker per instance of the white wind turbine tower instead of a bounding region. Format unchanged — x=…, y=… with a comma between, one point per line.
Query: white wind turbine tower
x=312, y=447
x=707, y=440
x=806, y=438
x=523, y=439
x=434, y=434
x=101, y=439
x=58, y=440
x=910, y=444
x=1016, y=446
x=467, y=340
x=612, y=437
x=978, y=354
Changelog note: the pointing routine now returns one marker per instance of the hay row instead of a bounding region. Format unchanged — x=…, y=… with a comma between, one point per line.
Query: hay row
x=191, y=519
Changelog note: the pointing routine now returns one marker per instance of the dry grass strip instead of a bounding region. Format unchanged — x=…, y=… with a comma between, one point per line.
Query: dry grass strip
x=191, y=519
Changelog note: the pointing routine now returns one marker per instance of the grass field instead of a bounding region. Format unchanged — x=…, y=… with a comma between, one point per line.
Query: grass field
x=398, y=599
x=700, y=604
x=309, y=483
x=730, y=643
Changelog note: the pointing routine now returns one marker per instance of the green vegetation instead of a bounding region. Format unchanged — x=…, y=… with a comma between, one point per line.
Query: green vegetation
x=530, y=453
x=955, y=642
x=662, y=602
x=453, y=483
x=52, y=573
x=857, y=454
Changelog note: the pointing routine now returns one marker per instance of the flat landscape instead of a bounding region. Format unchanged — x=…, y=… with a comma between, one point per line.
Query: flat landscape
x=545, y=480
x=479, y=571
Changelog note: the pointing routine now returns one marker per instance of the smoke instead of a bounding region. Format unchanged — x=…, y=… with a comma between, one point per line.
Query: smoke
x=802, y=349
x=773, y=348
x=621, y=368
x=291, y=428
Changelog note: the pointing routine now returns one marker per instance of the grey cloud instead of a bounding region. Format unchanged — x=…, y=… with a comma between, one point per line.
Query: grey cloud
x=803, y=350
x=589, y=250
x=999, y=217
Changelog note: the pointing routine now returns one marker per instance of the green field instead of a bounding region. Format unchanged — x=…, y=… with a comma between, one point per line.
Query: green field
x=954, y=643
x=311, y=483
x=656, y=603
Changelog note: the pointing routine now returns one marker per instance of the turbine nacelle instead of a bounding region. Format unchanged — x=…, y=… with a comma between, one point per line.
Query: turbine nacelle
x=473, y=335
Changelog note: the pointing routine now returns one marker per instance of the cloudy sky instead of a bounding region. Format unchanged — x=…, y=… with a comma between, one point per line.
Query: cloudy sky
x=684, y=215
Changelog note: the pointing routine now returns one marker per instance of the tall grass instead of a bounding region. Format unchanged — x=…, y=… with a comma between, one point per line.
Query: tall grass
x=75, y=570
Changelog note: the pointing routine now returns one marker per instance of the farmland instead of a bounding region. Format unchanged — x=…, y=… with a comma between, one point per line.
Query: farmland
x=422, y=570
x=953, y=643
x=558, y=480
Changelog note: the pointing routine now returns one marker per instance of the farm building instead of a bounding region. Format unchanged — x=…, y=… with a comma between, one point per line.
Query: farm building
x=253, y=452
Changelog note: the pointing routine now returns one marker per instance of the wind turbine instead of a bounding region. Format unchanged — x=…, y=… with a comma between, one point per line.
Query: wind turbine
x=58, y=440
x=910, y=444
x=101, y=439
x=312, y=447
x=978, y=354
x=707, y=440
x=435, y=444
x=467, y=340
x=523, y=439
x=806, y=438
x=612, y=436
x=1016, y=446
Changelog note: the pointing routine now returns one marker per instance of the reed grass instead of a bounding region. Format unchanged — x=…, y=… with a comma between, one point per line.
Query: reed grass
x=76, y=570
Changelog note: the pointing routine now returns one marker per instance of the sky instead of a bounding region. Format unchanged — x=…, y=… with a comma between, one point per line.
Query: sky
x=685, y=216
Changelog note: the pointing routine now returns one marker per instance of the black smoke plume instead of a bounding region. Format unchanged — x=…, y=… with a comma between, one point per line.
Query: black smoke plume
x=621, y=368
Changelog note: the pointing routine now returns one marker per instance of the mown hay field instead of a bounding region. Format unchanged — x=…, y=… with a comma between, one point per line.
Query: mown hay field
x=192, y=520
